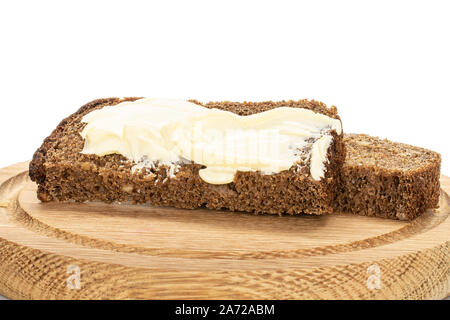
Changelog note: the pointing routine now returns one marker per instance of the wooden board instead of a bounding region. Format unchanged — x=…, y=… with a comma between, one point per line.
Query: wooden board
x=145, y=252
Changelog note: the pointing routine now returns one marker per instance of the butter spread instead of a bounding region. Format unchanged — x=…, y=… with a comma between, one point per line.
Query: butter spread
x=173, y=131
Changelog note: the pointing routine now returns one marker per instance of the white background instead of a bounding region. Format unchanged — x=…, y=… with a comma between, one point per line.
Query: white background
x=384, y=64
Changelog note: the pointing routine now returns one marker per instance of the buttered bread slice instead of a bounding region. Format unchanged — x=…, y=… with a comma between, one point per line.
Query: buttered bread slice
x=261, y=157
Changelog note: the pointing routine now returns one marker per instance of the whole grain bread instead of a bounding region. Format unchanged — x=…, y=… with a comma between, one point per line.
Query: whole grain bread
x=64, y=174
x=387, y=179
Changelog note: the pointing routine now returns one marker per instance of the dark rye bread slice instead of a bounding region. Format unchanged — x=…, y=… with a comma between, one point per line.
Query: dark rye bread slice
x=64, y=174
x=387, y=179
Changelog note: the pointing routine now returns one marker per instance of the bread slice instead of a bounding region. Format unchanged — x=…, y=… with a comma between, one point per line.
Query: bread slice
x=65, y=174
x=387, y=179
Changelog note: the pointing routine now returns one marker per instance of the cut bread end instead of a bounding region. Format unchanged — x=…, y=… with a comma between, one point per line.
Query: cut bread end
x=387, y=179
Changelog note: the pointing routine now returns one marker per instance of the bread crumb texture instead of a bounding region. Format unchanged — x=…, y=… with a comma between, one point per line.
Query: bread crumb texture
x=387, y=179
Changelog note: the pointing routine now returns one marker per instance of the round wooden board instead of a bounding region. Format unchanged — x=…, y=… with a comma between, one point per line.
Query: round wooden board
x=145, y=252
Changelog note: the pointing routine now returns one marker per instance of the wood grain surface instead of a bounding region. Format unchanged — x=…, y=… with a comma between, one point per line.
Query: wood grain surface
x=146, y=252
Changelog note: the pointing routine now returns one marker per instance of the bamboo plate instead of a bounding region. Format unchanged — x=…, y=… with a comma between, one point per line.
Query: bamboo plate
x=100, y=251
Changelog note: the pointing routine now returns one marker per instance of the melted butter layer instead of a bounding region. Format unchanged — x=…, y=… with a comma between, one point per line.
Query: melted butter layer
x=176, y=130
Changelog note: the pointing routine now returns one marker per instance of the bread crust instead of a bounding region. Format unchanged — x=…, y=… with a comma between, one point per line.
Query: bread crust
x=63, y=174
